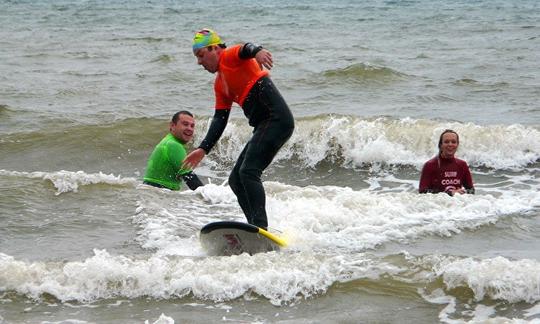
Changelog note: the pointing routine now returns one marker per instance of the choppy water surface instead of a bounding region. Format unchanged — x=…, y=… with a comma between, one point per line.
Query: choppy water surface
x=86, y=88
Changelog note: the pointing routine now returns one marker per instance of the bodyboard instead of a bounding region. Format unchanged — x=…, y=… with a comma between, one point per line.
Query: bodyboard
x=233, y=238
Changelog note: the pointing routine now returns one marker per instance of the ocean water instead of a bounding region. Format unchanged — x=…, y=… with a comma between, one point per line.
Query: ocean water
x=86, y=91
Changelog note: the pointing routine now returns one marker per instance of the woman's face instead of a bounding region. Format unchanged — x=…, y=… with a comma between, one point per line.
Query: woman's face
x=449, y=145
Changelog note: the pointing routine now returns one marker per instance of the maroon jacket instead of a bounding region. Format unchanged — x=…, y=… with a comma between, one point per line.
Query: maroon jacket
x=442, y=174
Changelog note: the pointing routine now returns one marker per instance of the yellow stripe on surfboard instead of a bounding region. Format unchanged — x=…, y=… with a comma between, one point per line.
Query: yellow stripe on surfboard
x=281, y=242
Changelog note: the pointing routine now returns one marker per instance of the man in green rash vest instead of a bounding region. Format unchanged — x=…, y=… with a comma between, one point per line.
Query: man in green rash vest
x=164, y=168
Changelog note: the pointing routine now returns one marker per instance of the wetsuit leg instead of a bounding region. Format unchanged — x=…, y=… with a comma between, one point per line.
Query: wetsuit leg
x=274, y=125
x=238, y=188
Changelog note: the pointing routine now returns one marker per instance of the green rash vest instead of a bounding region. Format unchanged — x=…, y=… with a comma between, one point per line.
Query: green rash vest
x=165, y=163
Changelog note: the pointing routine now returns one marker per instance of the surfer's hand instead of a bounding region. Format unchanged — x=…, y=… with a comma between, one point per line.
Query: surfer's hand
x=264, y=58
x=193, y=159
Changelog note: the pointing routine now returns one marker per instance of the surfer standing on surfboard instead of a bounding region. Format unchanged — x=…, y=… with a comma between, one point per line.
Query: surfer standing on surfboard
x=241, y=78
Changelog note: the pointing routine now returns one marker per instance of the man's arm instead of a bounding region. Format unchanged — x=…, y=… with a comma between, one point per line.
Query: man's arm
x=468, y=181
x=249, y=50
x=261, y=55
x=217, y=126
x=191, y=180
x=425, y=180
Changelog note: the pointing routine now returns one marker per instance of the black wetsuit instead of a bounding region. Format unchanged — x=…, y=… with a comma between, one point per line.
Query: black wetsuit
x=273, y=125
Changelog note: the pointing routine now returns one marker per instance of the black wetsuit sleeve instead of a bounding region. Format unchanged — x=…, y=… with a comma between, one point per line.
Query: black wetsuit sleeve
x=470, y=190
x=192, y=181
x=217, y=126
x=249, y=50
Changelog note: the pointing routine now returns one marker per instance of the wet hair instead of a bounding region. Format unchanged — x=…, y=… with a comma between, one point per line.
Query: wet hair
x=446, y=131
x=175, y=117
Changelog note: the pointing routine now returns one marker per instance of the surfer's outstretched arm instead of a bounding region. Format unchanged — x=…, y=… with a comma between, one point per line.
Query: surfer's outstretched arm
x=217, y=126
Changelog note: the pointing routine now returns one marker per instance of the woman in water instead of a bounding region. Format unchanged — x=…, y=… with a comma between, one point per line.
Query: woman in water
x=445, y=172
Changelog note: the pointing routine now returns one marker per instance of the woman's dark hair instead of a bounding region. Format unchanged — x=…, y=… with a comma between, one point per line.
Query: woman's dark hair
x=446, y=131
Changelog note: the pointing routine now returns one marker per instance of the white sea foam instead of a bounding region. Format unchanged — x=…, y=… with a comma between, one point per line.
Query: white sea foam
x=163, y=319
x=69, y=181
x=322, y=217
x=496, y=278
x=354, y=141
x=162, y=231
x=169, y=222
x=533, y=311
x=439, y=297
x=326, y=226
x=276, y=276
x=317, y=220
x=337, y=217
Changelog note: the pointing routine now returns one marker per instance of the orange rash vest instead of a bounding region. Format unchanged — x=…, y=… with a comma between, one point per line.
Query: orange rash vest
x=235, y=77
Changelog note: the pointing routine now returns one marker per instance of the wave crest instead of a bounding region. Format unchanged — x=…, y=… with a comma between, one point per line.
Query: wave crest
x=363, y=72
x=69, y=181
x=354, y=142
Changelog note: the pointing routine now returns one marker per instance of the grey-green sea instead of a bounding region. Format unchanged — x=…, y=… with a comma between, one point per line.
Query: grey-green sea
x=87, y=88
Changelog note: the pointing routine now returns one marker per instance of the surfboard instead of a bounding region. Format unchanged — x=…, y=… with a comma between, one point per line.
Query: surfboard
x=233, y=238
